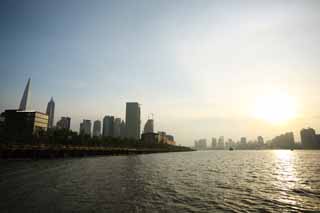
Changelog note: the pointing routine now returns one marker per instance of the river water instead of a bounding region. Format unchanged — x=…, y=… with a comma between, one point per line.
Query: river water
x=202, y=181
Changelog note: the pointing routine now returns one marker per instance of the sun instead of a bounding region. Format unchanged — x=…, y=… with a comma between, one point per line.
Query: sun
x=275, y=108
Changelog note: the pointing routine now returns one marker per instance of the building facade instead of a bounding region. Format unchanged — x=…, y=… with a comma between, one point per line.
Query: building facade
x=96, y=132
x=309, y=138
x=25, y=123
x=117, y=128
x=133, y=120
x=107, y=130
x=64, y=123
x=50, y=113
x=149, y=126
x=85, y=128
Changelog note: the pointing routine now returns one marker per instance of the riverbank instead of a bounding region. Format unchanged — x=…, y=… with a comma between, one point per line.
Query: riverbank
x=63, y=151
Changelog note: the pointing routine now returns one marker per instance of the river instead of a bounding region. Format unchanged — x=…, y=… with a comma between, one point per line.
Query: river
x=202, y=181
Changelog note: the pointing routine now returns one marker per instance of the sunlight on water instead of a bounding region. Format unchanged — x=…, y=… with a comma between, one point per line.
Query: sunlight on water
x=209, y=181
x=286, y=175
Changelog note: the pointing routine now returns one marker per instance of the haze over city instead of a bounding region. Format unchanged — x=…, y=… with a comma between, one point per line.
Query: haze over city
x=203, y=68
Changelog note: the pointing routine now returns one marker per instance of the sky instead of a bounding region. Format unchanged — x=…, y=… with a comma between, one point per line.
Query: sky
x=198, y=66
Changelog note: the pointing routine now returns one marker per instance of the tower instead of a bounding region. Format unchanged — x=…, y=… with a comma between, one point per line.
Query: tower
x=50, y=112
x=25, y=100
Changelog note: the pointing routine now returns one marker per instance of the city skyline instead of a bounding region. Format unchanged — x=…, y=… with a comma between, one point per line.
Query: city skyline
x=201, y=67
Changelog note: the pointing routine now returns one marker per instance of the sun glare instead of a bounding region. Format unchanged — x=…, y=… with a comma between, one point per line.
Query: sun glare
x=275, y=108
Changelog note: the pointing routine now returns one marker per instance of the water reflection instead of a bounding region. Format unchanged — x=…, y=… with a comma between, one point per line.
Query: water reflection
x=285, y=175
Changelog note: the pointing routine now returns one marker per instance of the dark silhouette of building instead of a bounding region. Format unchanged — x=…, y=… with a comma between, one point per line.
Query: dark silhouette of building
x=123, y=129
x=309, y=139
x=133, y=120
x=108, y=126
x=150, y=137
x=85, y=128
x=25, y=123
x=117, y=127
x=284, y=141
x=96, y=132
x=64, y=123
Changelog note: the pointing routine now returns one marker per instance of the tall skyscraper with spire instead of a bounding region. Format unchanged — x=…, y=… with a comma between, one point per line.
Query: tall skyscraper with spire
x=50, y=112
x=25, y=100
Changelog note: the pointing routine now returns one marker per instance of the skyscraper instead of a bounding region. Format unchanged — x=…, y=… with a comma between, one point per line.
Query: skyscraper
x=108, y=126
x=117, y=127
x=149, y=126
x=25, y=100
x=308, y=138
x=133, y=120
x=260, y=140
x=123, y=129
x=64, y=123
x=97, y=128
x=50, y=112
x=213, y=143
x=85, y=127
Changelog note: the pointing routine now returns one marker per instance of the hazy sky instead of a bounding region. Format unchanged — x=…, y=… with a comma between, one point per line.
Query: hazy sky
x=199, y=66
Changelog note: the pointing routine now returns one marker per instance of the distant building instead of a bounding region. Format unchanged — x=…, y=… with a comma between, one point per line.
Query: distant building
x=50, y=112
x=123, y=129
x=117, y=128
x=85, y=127
x=25, y=123
x=133, y=120
x=107, y=129
x=25, y=100
x=64, y=123
x=221, y=142
x=162, y=137
x=243, y=140
x=2, y=123
x=200, y=144
x=170, y=140
x=149, y=126
x=96, y=132
x=260, y=140
x=214, y=143
x=284, y=141
x=309, y=138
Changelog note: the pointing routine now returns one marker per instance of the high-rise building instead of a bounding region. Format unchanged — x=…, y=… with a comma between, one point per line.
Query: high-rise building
x=200, y=144
x=284, y=141
x=309, y=139
x=123, y=129
x=260, y=140
x=213, y=143
x=96, y=132
x=221, y=142
x=64, y=123
x=107, y=129
x=85, y=127
x=133, y=120
x=50, y=112
x=117, y=127
x=243, y=140
x=149, y=126
x=25, y=100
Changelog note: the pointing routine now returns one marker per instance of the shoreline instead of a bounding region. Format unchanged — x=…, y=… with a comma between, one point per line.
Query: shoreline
x=52, y=152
